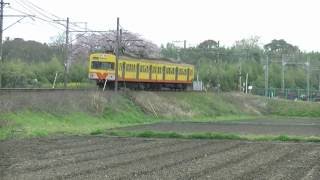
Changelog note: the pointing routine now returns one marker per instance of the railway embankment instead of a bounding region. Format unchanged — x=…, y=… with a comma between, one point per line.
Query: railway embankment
x=30, y=114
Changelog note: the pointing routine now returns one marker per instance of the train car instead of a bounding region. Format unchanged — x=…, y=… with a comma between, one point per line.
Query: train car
x=139, y=73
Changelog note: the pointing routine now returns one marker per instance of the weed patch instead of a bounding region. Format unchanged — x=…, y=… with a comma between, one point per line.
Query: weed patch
x=209, y=135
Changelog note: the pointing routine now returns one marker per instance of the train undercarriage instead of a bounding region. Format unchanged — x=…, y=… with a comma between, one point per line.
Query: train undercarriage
x=145, y=85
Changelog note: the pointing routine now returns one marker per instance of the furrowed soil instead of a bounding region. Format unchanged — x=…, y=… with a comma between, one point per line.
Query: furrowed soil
x=293, y=127
x=60, y=156
x=99, y=157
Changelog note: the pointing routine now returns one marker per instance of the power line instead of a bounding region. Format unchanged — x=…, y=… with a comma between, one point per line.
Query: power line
x=31, y=9
x=41, y=15
x=55, y=16
x=35, y=9
x=45, y=13
x=52, y=23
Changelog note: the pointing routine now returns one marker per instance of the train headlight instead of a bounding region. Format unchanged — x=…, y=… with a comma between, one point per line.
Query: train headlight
x=93, y=76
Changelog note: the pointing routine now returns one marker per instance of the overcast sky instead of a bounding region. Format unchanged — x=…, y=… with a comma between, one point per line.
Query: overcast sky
x=161, y=21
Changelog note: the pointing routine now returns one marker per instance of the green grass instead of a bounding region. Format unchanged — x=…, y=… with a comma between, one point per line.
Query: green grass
x=293, y=109
x=35, y=124
x=205, y=105
x=211, y=135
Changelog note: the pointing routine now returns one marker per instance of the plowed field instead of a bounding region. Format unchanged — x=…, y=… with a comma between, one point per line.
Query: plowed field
x=95, y=157
x=293, y=127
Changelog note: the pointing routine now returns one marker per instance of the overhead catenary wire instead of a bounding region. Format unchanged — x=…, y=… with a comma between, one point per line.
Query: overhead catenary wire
x=42, y=9
x=40, y=18
x=43, y=14
x=46, y=14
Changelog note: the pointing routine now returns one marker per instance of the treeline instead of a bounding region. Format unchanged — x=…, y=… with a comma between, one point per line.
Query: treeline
x=222, y=67
x=33, y=64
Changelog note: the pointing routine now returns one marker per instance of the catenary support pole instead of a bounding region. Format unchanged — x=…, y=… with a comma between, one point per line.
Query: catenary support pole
x=266, y=80
x=67, y=55
x=282, y=77
x=1, y=32
x=117, y=57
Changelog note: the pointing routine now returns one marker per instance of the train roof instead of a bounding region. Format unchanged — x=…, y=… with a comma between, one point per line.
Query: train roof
x=153, y=60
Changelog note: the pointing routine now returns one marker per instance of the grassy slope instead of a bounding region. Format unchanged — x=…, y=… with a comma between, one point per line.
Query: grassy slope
x=41, y=114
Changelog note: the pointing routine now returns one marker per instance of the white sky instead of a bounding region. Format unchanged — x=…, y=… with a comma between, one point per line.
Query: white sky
x=161, y=21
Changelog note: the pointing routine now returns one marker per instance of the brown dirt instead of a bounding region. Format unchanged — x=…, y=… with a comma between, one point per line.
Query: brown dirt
x=294, y=127
x=94, y=157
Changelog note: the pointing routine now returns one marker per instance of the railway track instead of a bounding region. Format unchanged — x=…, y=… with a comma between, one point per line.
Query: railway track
x=80, y=89
x=44, y=89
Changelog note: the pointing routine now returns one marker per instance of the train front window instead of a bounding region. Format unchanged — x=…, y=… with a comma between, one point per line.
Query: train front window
x=102, y=65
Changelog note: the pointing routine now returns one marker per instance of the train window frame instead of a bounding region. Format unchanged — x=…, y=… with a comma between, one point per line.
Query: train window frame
x=106, y=65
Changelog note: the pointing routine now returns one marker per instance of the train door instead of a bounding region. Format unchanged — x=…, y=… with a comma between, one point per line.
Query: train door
x=150, y=72
x=188, y=71
x=164, y=73
x=123, y=70
x=138, y=71
x=176, y=73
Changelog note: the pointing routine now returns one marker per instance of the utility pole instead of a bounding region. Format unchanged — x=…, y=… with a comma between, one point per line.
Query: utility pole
x=308, y=78
x=117, y=57
x=219, y=65
x=2, y=4
x=282, y=84
x=319, y=82
x=1, y=32
x=247, y=76
x=67, y=55
x=65, y=77
x=266, y=77
x=240, y=85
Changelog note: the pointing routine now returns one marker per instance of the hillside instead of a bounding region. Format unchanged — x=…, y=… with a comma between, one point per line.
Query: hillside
x=82, y=112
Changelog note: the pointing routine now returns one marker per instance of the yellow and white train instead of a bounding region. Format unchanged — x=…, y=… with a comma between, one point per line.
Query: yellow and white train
x=140, y=73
